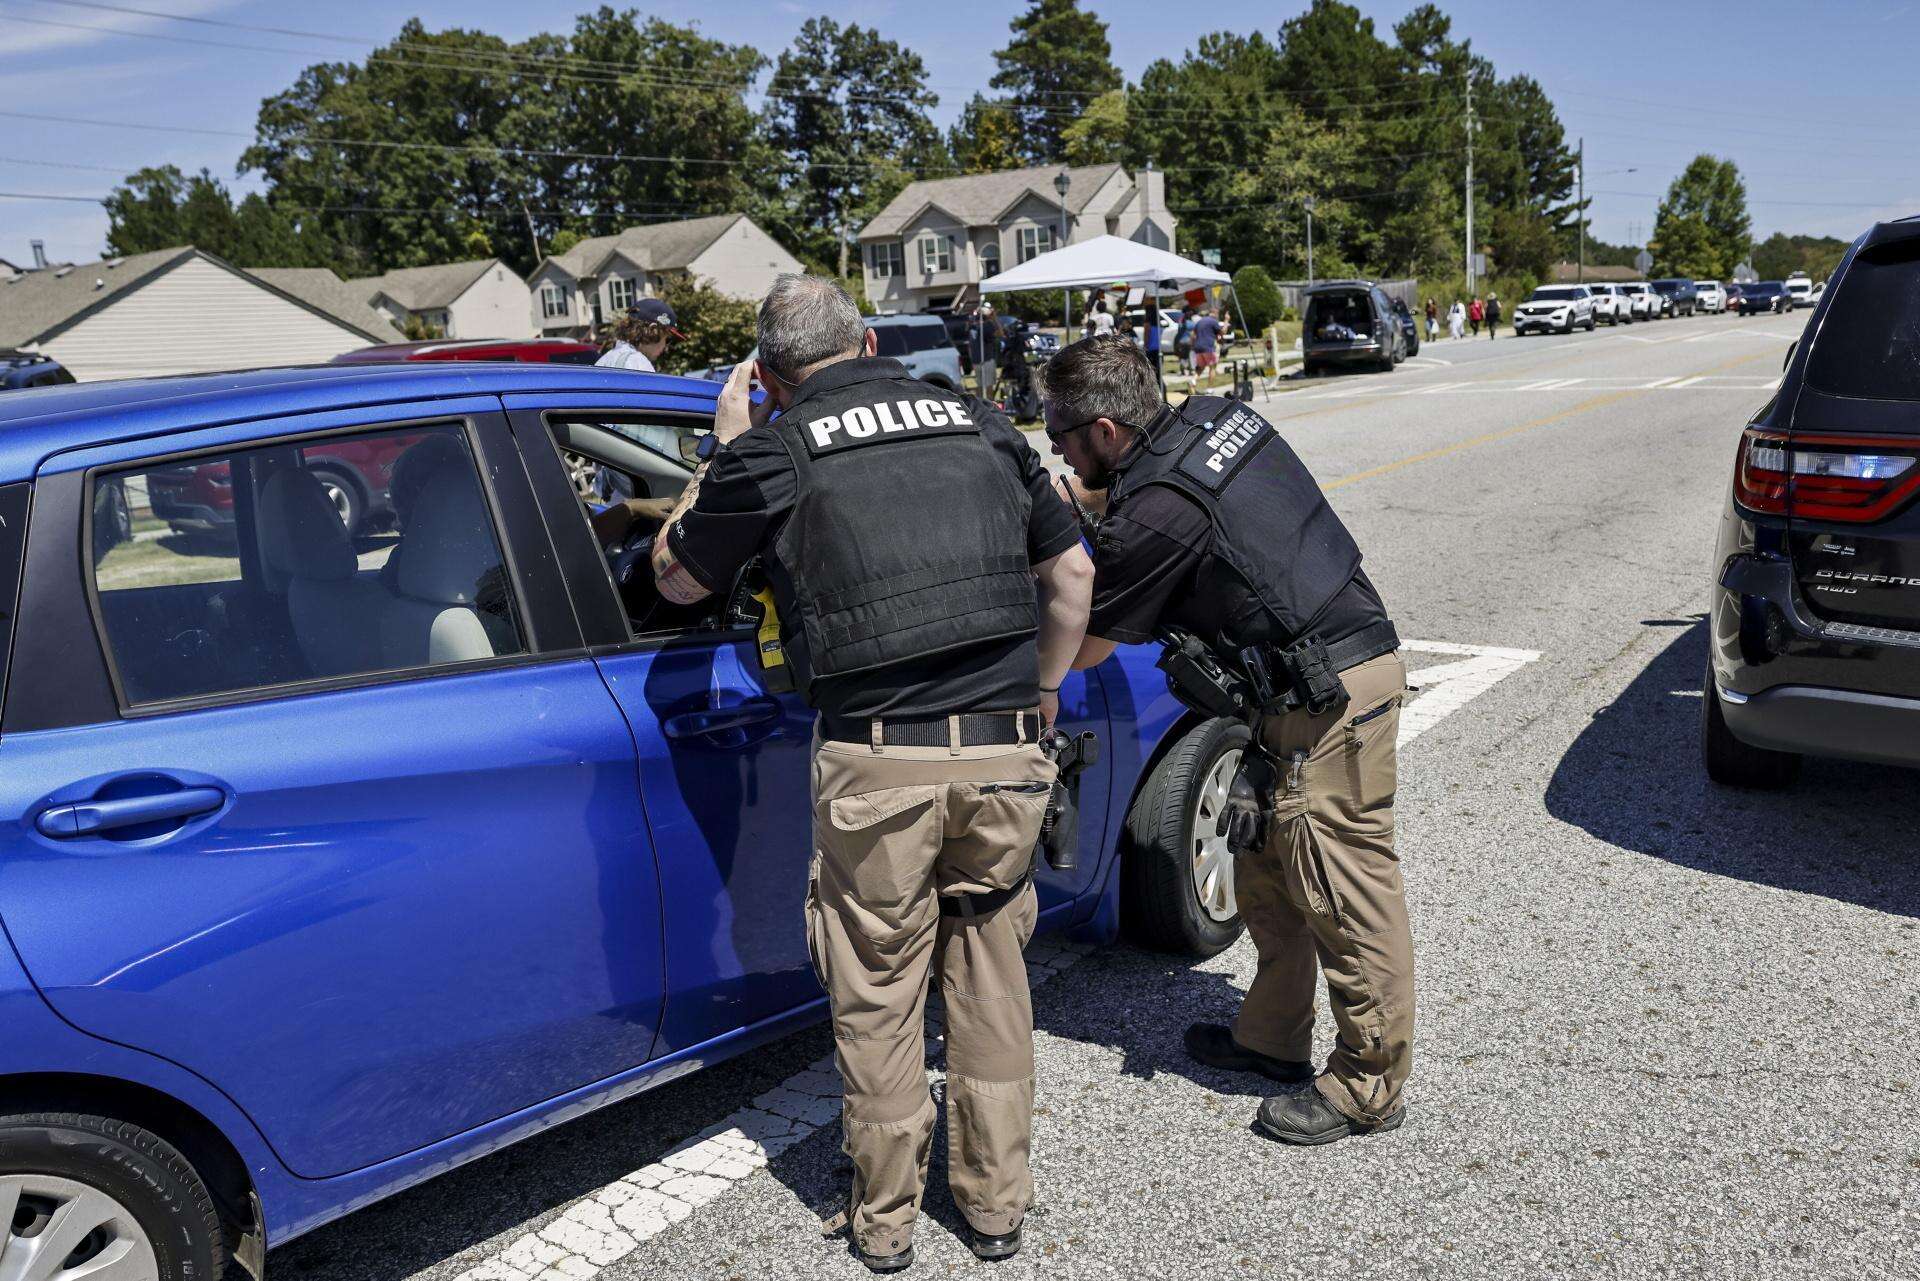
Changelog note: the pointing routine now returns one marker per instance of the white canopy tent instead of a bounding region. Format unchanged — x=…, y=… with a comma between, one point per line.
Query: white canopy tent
x=1103, y=261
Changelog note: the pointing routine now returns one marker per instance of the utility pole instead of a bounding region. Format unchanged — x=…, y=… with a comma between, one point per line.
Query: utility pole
x=534, y=239
x=1469, y=184
x=1309, y=207
x=1580, y=172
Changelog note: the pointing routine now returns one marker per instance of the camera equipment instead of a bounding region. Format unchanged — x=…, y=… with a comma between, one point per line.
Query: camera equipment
x=1199, y=680
x=1060, y=829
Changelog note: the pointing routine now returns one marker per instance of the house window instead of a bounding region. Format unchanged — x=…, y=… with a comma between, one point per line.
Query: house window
x=936, y=254
x=619, y=293
x=989, y=261
x=888, y=259
x=553, y=301
x=1035, y=241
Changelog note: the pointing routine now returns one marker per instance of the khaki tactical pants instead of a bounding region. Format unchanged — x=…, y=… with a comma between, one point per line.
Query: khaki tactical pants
x=894, y=827
x=1327, y=886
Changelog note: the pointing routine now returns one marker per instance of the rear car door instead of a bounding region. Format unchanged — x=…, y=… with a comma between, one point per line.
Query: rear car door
x=1854, y=441
x=344, y=824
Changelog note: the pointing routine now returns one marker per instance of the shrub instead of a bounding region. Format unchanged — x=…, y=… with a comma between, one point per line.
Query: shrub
x=720, y=329
x=1259, y=300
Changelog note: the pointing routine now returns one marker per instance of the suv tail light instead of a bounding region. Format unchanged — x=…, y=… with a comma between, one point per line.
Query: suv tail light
x=1851, y=479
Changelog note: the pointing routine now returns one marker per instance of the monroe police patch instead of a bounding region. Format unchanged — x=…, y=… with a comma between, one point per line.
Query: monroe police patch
x=904, y=418
x=1224, y=447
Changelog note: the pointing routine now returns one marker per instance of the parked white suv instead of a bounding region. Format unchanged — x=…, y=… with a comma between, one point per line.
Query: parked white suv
x=1553, y=308
x=1611, y=305
x=1644, y=302
x=1799, y=291
x=1708, y=296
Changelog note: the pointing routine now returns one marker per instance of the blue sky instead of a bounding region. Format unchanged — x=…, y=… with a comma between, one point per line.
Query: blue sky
x=1815, y=102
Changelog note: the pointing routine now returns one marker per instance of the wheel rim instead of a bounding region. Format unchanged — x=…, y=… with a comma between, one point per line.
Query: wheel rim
x=342, y=501
x=53, y=1227
x=1211, y=860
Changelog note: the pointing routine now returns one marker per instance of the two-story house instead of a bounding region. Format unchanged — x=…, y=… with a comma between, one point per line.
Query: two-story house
x=939, y=238
x=483, y=298
x=588, y=285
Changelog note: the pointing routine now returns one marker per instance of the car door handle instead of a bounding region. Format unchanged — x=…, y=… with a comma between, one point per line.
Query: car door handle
x=88, y=817
x=714, y=720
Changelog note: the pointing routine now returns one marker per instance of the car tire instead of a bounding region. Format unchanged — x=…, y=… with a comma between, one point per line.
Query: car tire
x=1592, y=324
x=1733, y=763
x=149, y=1202
x=1164, y=866
x=343, y=491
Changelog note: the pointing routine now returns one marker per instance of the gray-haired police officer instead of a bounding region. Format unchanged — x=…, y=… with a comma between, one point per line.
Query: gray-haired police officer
x=904, y=529
x=1214, y=526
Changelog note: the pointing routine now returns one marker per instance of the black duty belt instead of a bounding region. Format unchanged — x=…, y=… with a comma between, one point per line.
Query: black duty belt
x=1369, y=642
x=977, y=729
x=970, y=905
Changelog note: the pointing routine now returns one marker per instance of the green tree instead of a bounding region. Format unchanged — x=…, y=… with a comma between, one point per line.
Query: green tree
x=986, y=138
x=1684, y=245
x=563, y=240
x=162, y=208
x=847, y=112
x=1259, y=301
x=1099, y=135
x=719, y=328
x=1780, y=255
x=1711, y=190
x=1058, y=61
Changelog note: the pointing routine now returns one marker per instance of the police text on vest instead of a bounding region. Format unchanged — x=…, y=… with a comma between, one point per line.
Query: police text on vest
x=881, y=417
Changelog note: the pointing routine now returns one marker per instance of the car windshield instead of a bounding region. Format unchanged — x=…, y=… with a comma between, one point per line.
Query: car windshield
x=1869, y=344
x=1766, y=287
x=1799, y=284
x=1665, y=287
x=1553, y=294
x=1634, y=289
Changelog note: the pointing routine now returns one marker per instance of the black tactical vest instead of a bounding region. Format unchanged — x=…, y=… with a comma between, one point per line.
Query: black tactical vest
x=1280, y=554
x=908, y=536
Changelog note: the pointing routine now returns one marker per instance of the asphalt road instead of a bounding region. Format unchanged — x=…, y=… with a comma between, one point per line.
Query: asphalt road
x=1664, y=1029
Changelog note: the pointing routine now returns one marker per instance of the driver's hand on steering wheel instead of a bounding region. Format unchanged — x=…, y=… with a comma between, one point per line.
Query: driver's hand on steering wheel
x=611, y=526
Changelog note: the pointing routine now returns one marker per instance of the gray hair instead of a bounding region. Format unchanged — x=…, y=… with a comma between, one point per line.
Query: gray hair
x=807, y=321
x=1102, y=377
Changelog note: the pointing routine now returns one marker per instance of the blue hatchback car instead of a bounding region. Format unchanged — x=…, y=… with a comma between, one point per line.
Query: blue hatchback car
x=360, y=815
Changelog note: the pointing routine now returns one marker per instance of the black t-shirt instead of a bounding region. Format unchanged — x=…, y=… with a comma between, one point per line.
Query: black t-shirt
x=1145, y=563
x=745, y=499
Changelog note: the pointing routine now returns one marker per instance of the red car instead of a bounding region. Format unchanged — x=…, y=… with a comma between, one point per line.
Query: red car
x=539, y=351
x=356, y=475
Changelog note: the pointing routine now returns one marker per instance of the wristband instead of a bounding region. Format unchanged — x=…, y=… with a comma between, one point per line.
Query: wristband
x=1045, y=690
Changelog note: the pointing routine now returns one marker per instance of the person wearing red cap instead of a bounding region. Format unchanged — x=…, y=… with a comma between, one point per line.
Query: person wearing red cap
x=640, y=335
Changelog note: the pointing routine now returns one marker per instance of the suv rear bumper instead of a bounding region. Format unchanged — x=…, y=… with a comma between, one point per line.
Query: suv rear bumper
x=1827, y=722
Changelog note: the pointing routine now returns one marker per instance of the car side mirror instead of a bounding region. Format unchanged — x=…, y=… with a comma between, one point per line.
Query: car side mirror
x=1791, y=348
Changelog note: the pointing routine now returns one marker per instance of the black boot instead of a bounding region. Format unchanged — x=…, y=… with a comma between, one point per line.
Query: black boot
x=884, y=1262
x=992, y=1248
x=1213, y=1045
x=1308, y=1120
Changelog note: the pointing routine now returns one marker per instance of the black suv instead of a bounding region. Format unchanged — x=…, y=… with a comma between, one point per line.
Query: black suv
x=1683, y=294
x=1350, y=322
x=1816, y=604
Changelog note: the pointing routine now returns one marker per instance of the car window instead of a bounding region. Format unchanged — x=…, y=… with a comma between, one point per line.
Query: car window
x=301, y=561
x=890, y=340
x=1869, y=344
x=13, y=542
x=926, y=337
x=1561, y=293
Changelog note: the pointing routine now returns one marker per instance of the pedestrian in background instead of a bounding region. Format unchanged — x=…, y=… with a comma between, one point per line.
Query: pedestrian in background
x=1457, y=319
x=1099, y=320
x=640, y=336
x=1206, y=344
x=1151, y=341
x=1183, y=340
x=1433, y=321
x=1476, y=312
x=1493, y=316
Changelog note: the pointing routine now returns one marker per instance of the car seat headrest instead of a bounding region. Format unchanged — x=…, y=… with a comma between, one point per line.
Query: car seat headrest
x=300, y=531
x=448, y=544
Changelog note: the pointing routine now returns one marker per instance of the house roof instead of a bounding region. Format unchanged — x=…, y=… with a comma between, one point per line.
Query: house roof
x=659, y=246
x=980, y=199
x=40, y=304
x=424, y=288
x=319, y=288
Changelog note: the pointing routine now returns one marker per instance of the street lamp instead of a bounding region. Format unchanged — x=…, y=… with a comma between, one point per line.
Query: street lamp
x=1060, y=184
x=1308, y=203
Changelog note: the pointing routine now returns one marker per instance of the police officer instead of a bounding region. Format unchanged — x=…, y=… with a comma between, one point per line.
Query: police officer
x=1213, y=525
x=916, y=630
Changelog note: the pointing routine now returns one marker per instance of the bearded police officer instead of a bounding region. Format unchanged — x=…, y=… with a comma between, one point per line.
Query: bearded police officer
x=915, y=628
x=1213, y=526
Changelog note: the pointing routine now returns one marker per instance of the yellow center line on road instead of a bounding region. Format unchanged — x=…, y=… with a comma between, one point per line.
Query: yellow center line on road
x=1504, y=433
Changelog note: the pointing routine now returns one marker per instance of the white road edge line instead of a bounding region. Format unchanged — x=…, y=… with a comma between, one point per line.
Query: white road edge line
x=612, y=1222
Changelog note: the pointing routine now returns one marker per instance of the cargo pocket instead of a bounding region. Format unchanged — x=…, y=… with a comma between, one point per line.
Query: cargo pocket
x=998, y=825
x=1303, y=878
x=812, y=913
x=880, y=845
x=1370, y=753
